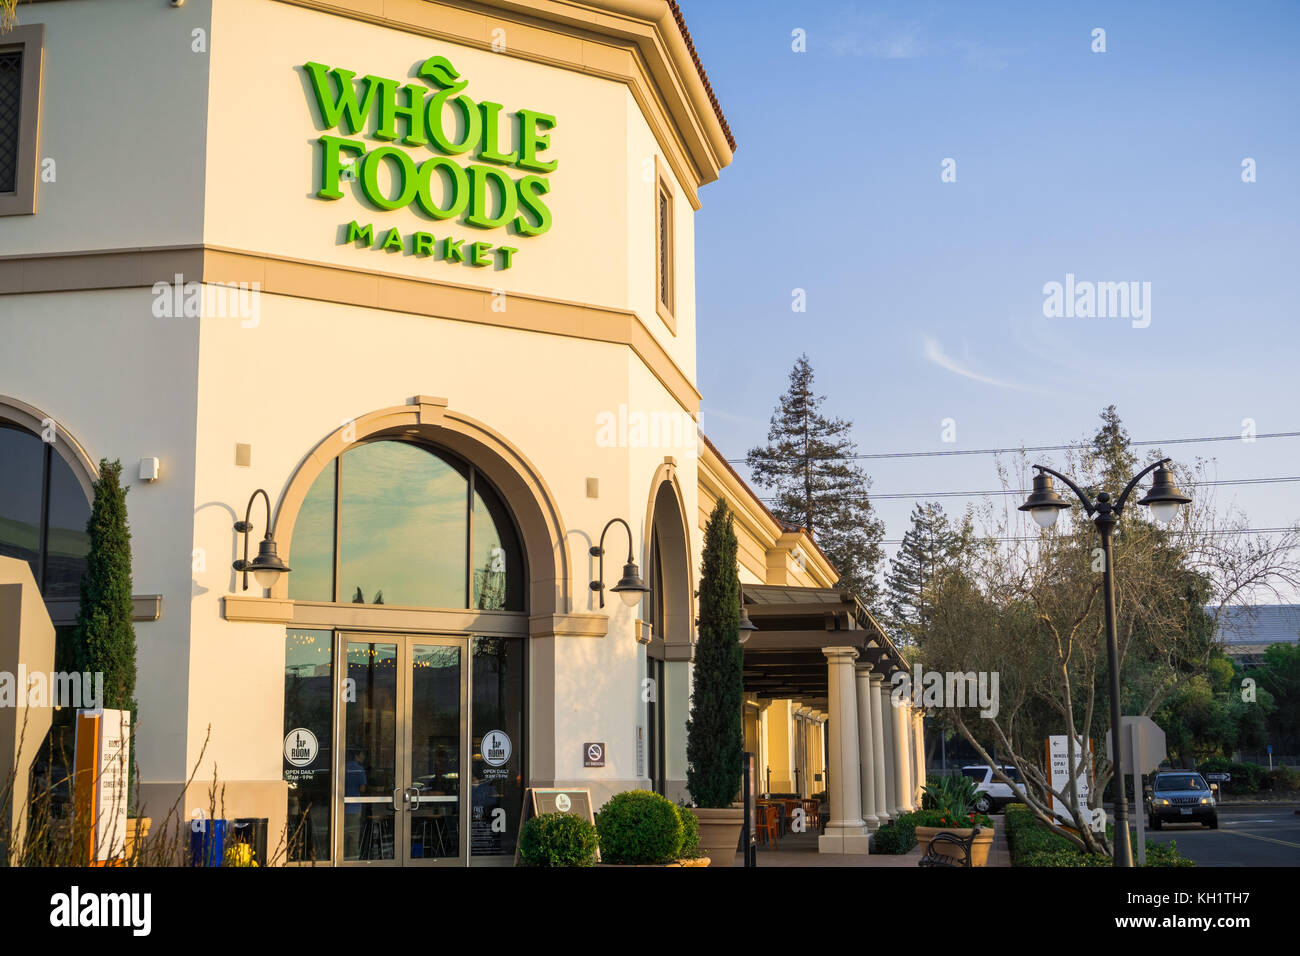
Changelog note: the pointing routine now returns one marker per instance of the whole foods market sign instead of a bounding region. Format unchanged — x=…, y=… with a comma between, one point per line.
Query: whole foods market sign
x=428, y=146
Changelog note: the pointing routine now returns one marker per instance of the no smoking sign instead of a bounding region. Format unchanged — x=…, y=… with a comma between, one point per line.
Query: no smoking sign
x=593, y=755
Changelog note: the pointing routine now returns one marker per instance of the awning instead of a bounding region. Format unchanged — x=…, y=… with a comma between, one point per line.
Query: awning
x=784, y=659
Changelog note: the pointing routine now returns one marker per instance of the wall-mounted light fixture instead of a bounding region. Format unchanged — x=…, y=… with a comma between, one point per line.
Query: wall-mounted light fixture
x=746, y=625
x=630, y=587
x=267, y=566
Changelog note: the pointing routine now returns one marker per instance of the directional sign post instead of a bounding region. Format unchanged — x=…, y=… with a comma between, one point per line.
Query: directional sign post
x=1146, y=751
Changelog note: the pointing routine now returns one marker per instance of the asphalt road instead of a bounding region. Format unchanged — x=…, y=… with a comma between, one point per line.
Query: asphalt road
x=1256, y=836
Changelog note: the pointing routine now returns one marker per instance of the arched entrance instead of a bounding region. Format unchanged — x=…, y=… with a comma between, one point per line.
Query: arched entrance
x=406, y=710
x=672, y=618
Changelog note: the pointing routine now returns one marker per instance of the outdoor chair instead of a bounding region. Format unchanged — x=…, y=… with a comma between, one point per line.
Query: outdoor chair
x=768, y=826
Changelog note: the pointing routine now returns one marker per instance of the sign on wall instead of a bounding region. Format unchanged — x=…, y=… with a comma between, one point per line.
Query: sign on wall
x=593, y=755
x=429, y=147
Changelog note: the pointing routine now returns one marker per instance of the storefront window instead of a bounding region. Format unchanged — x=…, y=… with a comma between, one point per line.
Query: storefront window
x=497, y=560
x=313, y=539
x=308, y=731
x=402, y=521
x=43, y=513
x=497, y=745
x=410, y=531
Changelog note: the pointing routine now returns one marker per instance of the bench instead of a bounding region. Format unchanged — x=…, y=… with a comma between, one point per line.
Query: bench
x=959, y=857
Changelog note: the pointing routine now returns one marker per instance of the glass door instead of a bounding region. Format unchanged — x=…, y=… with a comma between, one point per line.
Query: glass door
x=403, y=744
x=436, y=742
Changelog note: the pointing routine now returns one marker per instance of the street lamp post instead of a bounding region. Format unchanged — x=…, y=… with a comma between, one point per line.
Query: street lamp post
x=1164, y=500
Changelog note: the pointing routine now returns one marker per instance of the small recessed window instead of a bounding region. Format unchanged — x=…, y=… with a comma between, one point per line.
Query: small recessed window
x=20, y=82
x=665, y=278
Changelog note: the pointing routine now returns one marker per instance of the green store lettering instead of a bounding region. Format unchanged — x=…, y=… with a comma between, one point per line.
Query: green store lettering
x=426, y=245
x=440, y=117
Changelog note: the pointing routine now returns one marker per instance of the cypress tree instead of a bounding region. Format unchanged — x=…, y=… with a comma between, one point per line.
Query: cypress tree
x=715, y=737
x=105, y=641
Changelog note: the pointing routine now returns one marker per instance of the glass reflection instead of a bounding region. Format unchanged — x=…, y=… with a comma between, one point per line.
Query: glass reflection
x=308, y=696
x=435, y=750
x=66, y=540
x=312, y=554
x=403, y=523
x=498, y=558
x=22, y=469
x=370, y=759
x=497, y=745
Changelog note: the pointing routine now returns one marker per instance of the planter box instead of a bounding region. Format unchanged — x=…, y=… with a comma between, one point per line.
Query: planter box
x=720, y=833
x=979, y=851
x=701, y=861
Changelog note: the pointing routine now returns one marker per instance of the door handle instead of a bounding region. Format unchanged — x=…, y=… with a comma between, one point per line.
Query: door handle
x=414, y=797
x=395, y=793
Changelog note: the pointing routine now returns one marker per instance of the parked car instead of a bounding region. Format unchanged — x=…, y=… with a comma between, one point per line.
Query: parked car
x=1180, y=796
x=992, y=793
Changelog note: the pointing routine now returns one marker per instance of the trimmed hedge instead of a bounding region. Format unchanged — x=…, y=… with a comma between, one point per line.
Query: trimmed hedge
x=640, y=826
x=557, y=839
x=1033, y=844
x=1248, y=778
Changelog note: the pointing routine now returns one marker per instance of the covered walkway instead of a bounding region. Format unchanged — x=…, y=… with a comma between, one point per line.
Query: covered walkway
x=820, y=716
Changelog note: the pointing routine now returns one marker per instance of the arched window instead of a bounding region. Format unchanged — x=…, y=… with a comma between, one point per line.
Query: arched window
x=395, y=522
x=43, y=513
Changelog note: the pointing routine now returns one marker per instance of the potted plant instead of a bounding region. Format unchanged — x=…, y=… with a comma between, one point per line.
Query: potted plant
x=948, y=804
x=642, y=828
x=714, y=734
x=105, y=635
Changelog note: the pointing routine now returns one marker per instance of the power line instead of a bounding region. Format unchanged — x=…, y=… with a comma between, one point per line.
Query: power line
x=1022, y=491
x=1008, y=451
x=1036, y=537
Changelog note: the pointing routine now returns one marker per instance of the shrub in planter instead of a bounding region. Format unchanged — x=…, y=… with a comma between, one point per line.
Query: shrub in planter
x=894, y=838
x=639, y=827
x=557, y=839
x=690, y=834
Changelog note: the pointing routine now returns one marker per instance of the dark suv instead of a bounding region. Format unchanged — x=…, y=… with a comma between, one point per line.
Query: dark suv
x=1180, y=796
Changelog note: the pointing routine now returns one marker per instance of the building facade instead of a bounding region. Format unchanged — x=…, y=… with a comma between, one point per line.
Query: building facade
x=422, y=273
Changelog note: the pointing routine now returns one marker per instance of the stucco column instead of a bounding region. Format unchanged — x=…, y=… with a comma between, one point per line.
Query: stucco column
x=887, y=720
x=866, y=747
x=901, y=725
x=878, y=750
x=918, y=723
x=845, y=832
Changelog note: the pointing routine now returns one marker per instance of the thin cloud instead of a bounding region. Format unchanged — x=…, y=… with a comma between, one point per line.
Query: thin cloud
x=933, y=352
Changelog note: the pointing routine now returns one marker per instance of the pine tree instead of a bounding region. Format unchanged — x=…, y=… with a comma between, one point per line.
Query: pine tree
x=817, y=488
x=715, y=741
x=929, y=547
x=1110, y=454
x=105, y=636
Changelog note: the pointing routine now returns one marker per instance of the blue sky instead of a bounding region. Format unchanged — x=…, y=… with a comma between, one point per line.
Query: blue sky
x=925, y=298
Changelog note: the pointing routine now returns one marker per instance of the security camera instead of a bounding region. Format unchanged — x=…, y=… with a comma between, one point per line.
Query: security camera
x=177, y=3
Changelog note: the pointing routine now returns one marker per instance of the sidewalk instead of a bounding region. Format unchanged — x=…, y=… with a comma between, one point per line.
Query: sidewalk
x=800, y=849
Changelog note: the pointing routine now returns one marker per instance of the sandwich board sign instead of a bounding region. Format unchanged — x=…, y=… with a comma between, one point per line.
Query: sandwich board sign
x=101, y=758
x=539, y=800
